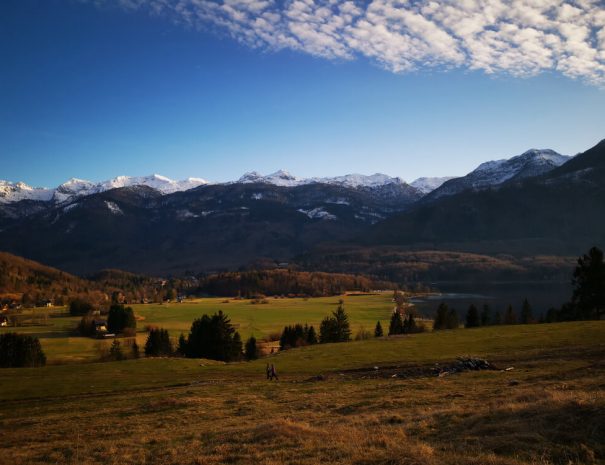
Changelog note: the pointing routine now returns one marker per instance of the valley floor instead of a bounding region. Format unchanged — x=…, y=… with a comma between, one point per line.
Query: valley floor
x=550, y=409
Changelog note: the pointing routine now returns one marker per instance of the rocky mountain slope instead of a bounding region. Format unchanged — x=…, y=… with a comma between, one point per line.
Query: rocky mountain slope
x=495, y=173
x=560, y=211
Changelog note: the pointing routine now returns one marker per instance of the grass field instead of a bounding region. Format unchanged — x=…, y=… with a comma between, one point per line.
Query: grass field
x=549, y=410
x=60, y=345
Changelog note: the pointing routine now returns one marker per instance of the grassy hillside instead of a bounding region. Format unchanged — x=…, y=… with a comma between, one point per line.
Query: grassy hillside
x=547, y=410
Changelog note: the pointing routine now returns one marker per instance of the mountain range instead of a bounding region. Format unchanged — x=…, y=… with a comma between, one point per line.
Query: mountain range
x=11, y=192
x=159, y=226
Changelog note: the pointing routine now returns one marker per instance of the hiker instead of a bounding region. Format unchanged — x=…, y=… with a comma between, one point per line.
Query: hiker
x=274, y=373
x=268, y=370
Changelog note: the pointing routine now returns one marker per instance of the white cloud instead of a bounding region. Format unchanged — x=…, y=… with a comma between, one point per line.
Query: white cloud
x=517, y=37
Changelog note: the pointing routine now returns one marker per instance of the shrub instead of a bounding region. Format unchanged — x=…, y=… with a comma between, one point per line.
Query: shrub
x=20, y=350
x=363, y=334
x=87, y=327
x=115, y=352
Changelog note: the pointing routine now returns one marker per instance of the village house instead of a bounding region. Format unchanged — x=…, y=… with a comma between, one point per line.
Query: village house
x=100, y=326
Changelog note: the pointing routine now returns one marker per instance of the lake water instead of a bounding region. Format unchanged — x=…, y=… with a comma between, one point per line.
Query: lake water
x=541, y=296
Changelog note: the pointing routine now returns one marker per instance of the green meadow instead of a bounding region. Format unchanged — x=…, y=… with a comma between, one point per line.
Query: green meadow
x=62, y=345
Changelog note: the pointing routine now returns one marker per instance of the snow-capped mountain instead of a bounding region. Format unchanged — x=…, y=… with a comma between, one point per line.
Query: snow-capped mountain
x=74, y=188
x=285, y=179
x=426, y=185
x=532, y=163
x=16, y=191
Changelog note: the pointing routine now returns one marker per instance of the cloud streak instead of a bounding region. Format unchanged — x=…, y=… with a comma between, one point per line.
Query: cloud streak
x=522, y=38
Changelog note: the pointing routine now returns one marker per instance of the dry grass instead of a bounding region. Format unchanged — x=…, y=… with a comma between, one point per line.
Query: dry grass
x=554, y=413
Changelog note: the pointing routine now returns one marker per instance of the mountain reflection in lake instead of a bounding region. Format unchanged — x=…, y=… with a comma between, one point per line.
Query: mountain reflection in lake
x=541, y=296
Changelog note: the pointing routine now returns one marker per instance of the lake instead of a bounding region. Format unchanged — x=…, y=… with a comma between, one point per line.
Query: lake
x=541, y=296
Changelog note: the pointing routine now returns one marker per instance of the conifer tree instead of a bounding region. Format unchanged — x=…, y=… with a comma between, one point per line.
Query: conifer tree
x=251, y=351
x=452, y=319
x=509, y=316
x=120, y=318
x=486, y=315
x=342, y=324
x=412, y=327
x=135, y=349
x=335, y=328
x=440, y=321
x=236, y=347
x=213, y=337
x=311, y=336
x=378, y=332
x=158, y=343
x=497, y=318
x=588, y=300
x=396, y=324
x=526, y=313
x=182, y=347
x=472, y=317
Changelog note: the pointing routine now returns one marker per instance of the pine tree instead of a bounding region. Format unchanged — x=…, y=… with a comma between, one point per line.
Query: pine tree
x=120, y=318
x=328, y=332
x=497, y=318
x=452, y=319
x=526, y=313
x=182, y=347
x=440, y=321
x=472, y=317
x=158, y=343
x=236, y=347
x=135, y=349
x=509, y=317
x=213, y=337
x=342, y=324
x=486, y=315
x=396, y=324
x=412, y=327
x=251, y=351
x=588, y=299
x=311, y=336
x=378, y=332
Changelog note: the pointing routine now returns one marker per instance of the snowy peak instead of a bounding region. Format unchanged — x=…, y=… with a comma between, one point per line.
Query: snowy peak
x=285, y=179
x=426, y=185
x=16, y=191
x=533, y=162
x=155, y=181
x=75, y=188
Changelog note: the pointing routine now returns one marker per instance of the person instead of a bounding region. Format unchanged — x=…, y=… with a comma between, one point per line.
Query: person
x=268, y=370
x=274, y=373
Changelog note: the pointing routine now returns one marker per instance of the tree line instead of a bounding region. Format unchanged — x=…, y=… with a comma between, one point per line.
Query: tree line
x=282, y=282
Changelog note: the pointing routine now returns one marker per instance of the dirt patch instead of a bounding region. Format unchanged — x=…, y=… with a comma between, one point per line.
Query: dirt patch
x=462, y=364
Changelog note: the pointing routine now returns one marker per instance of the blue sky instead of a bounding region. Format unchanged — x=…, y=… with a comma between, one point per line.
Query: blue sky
x=99, y=89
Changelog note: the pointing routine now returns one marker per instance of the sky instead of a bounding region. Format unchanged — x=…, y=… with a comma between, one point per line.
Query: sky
x=94, y=89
